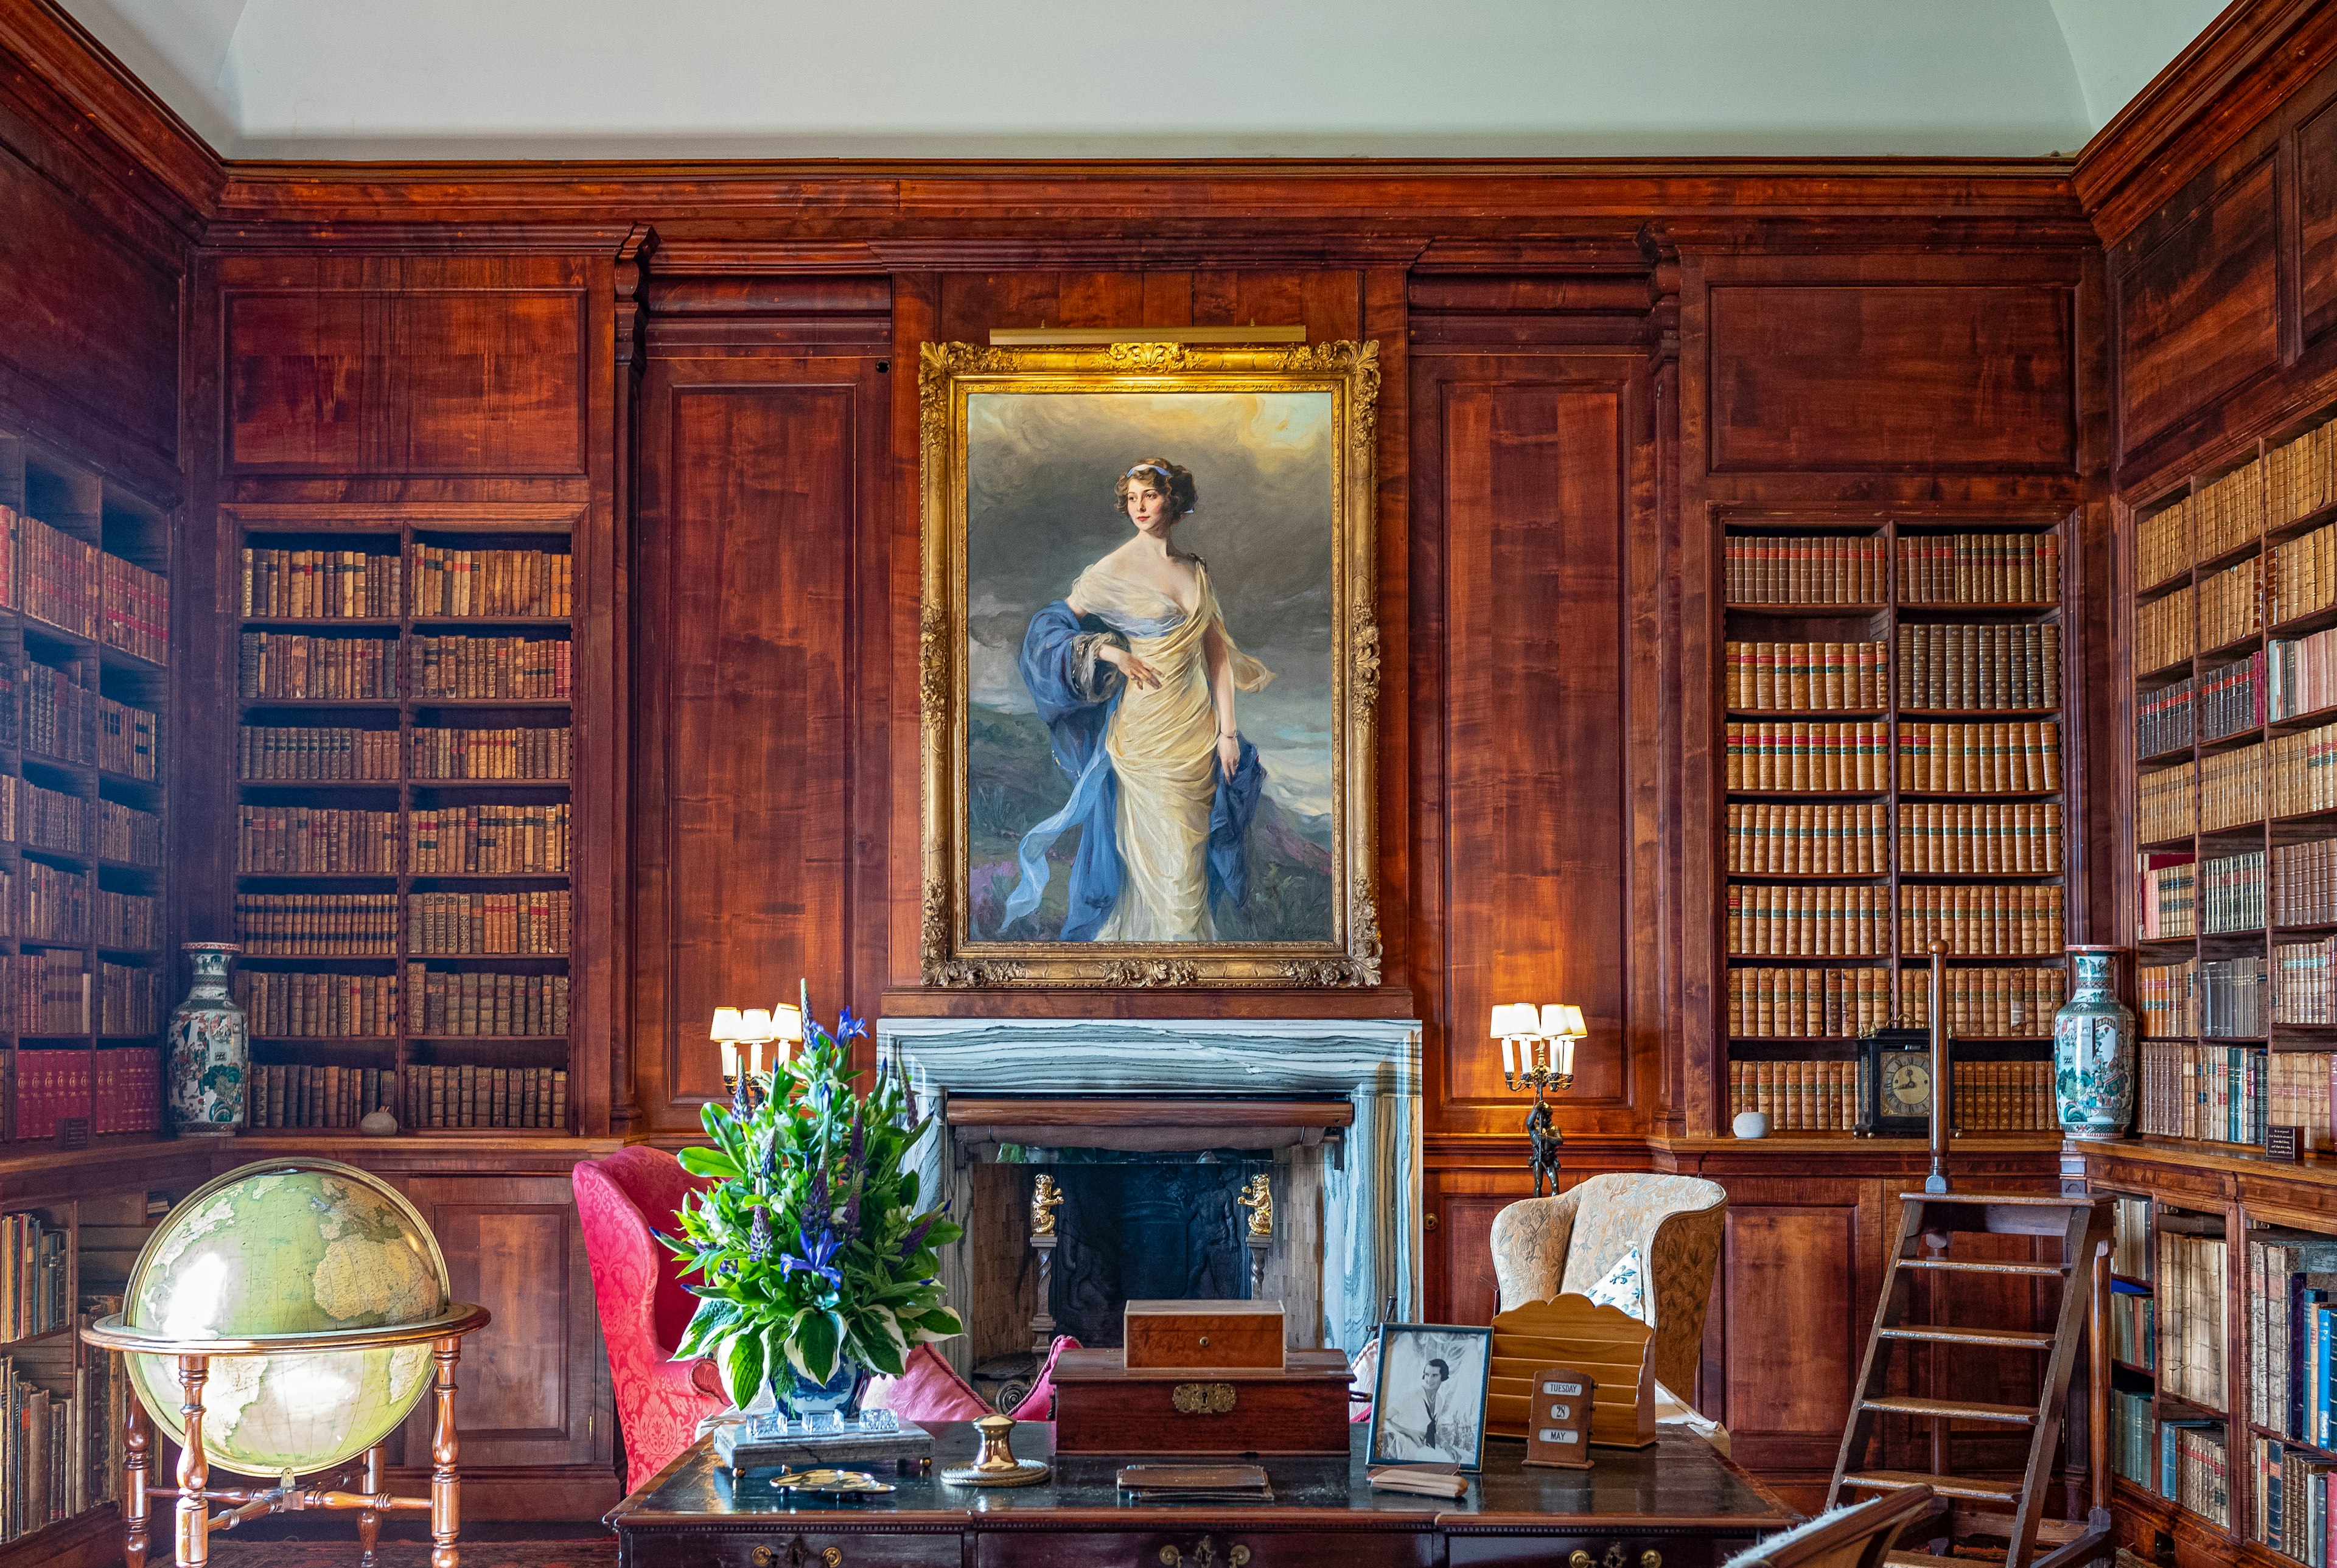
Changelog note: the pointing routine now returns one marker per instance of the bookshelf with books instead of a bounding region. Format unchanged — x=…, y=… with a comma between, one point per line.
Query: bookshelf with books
x=87, y=976
x=1892, y=692
x=404, y=858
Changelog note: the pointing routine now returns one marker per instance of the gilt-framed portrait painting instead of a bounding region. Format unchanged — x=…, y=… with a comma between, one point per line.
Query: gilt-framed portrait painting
x=1149, y=666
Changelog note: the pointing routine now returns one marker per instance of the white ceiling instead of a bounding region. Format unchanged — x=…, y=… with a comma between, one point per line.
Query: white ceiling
x=1102, y=78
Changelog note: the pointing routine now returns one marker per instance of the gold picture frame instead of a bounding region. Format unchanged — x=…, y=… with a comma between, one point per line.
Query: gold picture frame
x=1348, y=952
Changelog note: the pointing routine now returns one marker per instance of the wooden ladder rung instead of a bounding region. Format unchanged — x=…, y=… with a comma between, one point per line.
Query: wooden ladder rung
x=1939, y=1334
x=2015, y=1200
x=1976, y=1266
x=1953, y=1409
x=1945, y=1485
x=1925, y=1560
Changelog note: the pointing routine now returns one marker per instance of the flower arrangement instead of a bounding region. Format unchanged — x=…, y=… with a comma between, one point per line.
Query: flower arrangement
x=810, y=1250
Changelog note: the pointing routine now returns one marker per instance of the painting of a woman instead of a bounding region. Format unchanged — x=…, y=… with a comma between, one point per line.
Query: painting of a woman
x=1137, y=680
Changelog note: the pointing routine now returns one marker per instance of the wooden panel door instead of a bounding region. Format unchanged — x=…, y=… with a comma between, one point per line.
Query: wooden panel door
x=534, y=1383
x=752, y=481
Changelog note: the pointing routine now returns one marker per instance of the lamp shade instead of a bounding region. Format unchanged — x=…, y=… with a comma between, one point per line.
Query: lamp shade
x=1561, y=1019
x=786, y=1021
x=1514, y=1020
x=727, y=1025
x=755, y=1024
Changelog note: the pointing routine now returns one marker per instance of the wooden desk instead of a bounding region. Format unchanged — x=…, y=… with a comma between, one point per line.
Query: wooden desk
x=1679, y=1500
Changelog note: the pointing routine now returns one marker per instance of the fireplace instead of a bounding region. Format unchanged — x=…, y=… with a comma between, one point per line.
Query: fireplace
x=1150, y=1132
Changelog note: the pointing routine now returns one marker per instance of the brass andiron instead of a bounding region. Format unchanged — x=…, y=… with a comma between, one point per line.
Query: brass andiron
x=1258, y=1197
x=1046, y=1197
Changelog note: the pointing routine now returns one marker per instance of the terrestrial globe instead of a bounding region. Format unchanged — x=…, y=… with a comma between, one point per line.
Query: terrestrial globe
x=288, y=1246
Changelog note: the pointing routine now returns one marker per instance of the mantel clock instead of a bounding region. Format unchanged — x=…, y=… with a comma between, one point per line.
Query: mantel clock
x=1895, y=1087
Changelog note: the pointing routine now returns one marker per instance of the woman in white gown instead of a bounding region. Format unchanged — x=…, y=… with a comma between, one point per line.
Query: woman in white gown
x=1136, y=676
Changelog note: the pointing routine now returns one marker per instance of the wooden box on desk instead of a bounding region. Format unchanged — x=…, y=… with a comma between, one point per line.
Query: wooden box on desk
x=1104, y=1406
x=1192, y=1335
x=1604, y=1343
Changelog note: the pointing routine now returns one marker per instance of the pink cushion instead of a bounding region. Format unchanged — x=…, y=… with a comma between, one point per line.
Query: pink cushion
x=1038, y=1404
x=928, y=1389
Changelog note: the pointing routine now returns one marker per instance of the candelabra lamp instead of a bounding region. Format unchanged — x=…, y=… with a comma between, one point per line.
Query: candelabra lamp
x=753, y=1029
x=1538, y=1054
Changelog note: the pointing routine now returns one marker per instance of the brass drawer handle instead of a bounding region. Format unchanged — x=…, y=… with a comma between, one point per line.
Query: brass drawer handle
x=1651, y=1558
x=796, y=1557
x=1581, y=1559
x=1203, y=1555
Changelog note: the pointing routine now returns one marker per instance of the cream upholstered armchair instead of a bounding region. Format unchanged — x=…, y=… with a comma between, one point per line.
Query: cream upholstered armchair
x=1544, y=1246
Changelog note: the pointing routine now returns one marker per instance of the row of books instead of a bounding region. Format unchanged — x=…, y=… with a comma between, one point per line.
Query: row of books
x=1782, y=757
x=2231, y=788
x=1976, y=921
x=119, y=1089
x=477, y=669
x=2231, y=698
x=2166, y=898
x=469, y=1097
x=2303, y=577
x=1804, y=841
x=294, y=667
x=1808, y=1004
x=54, y=577
x=2166, y=804
x=2190, y=1289
x=1980, y=569
x=488, y=840
x=2292, y=1282
x=2305, y=982
x=62, y=1424
x=1980, y=758
x=59, y=708
x=1807, y=677
x=54, y=904
x=516, y=583
x=316, y=840
x=2195, y=1471
x=2165, y=633
x=2304, y=883
x=2163, y=720
x=129, y=835
x=72, y=825
x=1990, y=1003
x=129, y=740
x=306, y=925
x=528, y=924
x=1939, y=837
x=2291, y=1501
x=2298, y=1088
x=129, y=1002
x=280, y=1006
x=1773, y=568
x=35, y=1276
x=2231, y=894
x=2166, y=1000
x=301, y=584
x=2301, y=674
x=2234, y=998
x=1791, y=921
x=301, y=753
x=2302, y=773
x=44, y=992
x=2215, y=1093
x=1799, y=1097
x=321, y=584
x=2132, y=1256
x=2231, y=604
x=2290, y=481
x=311, y=1095
x=468, y=1002
x=2134, y=1327
x=1980, y=666
x=2134, y=1438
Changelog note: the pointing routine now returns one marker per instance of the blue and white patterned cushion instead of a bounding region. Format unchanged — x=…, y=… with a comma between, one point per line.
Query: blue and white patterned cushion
x=1625, y=1286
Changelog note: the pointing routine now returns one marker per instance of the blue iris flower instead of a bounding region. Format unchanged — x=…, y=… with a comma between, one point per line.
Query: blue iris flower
x=817, y=1257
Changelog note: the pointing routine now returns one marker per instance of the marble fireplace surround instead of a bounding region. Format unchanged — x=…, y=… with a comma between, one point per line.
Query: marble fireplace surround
x=1371, y=1195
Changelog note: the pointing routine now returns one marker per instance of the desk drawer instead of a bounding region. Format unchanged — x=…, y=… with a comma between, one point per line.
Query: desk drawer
x=1203, y=1546
x=797, y=1548
x=1463, y=1550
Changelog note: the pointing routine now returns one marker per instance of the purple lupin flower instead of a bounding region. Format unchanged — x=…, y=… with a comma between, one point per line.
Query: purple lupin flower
x=758, y=1236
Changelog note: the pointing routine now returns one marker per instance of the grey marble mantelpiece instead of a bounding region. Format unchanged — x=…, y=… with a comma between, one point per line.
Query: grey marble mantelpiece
x=1370, y=1199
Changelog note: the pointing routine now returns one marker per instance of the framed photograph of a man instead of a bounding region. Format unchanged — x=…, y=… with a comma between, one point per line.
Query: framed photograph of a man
x=1149, y=666
x=1428, y=1406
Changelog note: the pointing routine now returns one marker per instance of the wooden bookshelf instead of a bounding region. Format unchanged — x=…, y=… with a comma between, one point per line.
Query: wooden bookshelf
x=536, y=872
x=93, y=1063
x=1890, y=538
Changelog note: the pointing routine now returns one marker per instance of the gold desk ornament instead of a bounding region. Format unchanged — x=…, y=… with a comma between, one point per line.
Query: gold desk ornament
x=1045, y=1199
x=1258, y=1199
x=998, y=1467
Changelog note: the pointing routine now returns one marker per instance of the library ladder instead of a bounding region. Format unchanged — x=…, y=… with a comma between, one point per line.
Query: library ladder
x=1972, y=1506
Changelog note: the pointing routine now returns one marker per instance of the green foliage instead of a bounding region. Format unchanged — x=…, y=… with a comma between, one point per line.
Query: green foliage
x=810, y=1246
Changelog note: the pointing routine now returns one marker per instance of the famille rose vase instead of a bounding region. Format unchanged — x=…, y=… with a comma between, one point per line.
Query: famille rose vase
x=210, y=1050
x=2093, y=1050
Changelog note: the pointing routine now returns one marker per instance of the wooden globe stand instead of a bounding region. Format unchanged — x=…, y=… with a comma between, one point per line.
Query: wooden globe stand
x=193, y=1521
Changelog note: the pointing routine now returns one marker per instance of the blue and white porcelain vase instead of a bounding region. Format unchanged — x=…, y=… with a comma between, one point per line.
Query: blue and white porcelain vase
x=208, y=1049
x=2093, y=1050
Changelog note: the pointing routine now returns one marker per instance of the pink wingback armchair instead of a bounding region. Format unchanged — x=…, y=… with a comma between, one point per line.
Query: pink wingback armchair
x=643, y=1308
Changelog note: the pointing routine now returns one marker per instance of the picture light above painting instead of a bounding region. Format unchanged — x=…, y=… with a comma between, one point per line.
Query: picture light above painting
x=1149, y=662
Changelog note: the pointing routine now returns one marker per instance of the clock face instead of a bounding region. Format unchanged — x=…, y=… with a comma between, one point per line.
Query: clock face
x=1906, y=1080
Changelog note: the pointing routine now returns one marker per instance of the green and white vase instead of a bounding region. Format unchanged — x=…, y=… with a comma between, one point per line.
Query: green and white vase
x=210, y=1050
x=2093, y=1050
